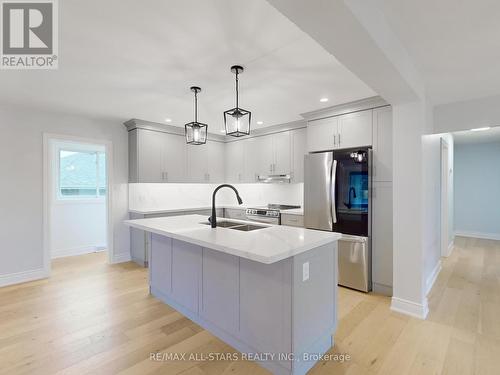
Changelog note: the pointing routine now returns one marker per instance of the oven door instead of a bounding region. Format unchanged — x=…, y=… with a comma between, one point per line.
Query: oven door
x=264, y=219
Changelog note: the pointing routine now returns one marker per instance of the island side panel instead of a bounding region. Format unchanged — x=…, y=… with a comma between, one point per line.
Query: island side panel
x=220, y=290
x=160, y=277
x=314, y=303
x=265, y=307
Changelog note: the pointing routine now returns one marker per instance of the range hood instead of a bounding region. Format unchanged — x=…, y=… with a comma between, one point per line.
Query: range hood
x=275, y=178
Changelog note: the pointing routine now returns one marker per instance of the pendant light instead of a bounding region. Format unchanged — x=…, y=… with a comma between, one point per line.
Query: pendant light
x=196, y=132
x=237, y=120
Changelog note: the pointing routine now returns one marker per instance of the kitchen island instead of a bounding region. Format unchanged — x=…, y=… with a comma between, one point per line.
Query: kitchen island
x=270, y=291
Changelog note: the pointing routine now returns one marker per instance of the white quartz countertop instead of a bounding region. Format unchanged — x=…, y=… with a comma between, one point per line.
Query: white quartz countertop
x=267, y=245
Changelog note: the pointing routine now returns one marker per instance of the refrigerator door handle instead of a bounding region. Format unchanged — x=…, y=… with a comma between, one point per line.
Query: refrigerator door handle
x=333, y=178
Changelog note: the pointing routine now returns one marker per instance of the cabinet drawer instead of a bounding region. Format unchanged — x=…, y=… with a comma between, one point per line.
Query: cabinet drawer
x=292, y=220
x=235, y=213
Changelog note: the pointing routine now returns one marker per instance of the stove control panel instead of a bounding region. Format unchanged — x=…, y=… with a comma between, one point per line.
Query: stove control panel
x=261, y=212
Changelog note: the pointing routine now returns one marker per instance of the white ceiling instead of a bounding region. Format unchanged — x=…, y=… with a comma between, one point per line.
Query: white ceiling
x=455, y=44
x=125, y=59
x=488, y=136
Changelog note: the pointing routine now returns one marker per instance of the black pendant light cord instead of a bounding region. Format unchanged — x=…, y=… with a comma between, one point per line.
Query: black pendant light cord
x=196, y=106
x=237, y=91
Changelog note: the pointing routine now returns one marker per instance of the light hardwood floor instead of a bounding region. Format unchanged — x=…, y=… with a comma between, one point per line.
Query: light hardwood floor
x=93, y=318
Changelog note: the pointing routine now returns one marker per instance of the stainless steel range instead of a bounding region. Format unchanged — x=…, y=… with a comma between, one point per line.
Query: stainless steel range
x=269, y=214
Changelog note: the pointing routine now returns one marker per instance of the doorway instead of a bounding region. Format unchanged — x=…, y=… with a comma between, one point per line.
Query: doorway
x=77, y=209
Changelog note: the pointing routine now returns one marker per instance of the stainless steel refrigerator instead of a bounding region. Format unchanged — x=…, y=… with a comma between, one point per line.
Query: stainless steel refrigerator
x=337, y=186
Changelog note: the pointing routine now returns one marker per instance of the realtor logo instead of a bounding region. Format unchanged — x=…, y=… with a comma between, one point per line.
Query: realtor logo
x=29, y=34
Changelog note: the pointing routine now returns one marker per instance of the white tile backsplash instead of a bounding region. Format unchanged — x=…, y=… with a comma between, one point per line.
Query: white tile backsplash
x=173, y=196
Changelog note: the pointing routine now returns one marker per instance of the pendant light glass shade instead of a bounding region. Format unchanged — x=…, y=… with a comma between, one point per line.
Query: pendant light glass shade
x=237, y=120
x=196, y=132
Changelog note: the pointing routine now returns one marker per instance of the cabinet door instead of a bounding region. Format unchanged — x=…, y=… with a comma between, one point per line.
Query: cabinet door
x=174, y=158
x=186, y=270
x=215, y=172
x=355, y=130
x=382, y=144
x=292, y=220
x=161, y=264
x=251, y=166
x=382, y=254
x=282, y=153
x=197, y=162
x=149, y=155
x=235, y=162
x=321, y=134
x=220, y=288
x=299, y=145
x=263, y=154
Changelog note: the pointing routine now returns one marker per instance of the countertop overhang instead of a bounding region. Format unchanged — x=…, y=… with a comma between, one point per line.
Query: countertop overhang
x=267, y=245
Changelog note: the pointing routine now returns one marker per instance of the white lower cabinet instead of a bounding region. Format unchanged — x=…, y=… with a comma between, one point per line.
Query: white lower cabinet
x=292, y=220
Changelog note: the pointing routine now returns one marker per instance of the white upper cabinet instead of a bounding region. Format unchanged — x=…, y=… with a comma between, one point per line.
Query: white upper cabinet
x=149, y=148
x=263, y=154
x=382, y=144
x=174, y=158
x=322, y=134
x=197, y=157
x=355, y=130
x=267, y=155
x=206, y=162
x=235, y=162
x=345, y=131
x=252, y=163
x=216, y=160
x=282, y=153
x=299, y=149
x=156, y=156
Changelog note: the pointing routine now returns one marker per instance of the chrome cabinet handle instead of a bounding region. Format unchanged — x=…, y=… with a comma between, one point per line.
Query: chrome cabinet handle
x=339, y=139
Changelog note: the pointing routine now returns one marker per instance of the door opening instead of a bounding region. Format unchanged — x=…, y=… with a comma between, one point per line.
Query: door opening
x=76, y=198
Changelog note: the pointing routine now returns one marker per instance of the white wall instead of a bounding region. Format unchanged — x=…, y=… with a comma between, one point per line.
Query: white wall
x=477, y=190
x=21, y=191
x=467, y=115
x=173, y=196
x=77, y=227
x=431, y=224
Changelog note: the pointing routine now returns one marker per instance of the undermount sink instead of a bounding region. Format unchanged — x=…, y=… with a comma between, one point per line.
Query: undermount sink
x=247, y=227
x=236, y=225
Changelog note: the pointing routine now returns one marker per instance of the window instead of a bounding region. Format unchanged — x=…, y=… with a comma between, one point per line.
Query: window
x=82, y=174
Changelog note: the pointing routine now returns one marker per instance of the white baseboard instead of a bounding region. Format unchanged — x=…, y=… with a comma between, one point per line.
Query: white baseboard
x=432, y=277
x=76, y=251
x=121, y=258
x=22, y=277
x=450, y=248
x=485, y=236
x=416, y=310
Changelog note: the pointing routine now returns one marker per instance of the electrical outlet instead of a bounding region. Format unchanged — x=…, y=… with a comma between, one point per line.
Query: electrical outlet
x=305, y=271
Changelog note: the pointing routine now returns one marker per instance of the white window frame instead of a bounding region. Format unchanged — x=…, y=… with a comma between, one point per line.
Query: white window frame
x=58, y=197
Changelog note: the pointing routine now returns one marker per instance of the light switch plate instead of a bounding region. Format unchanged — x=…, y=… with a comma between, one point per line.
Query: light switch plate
x=305, y=271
